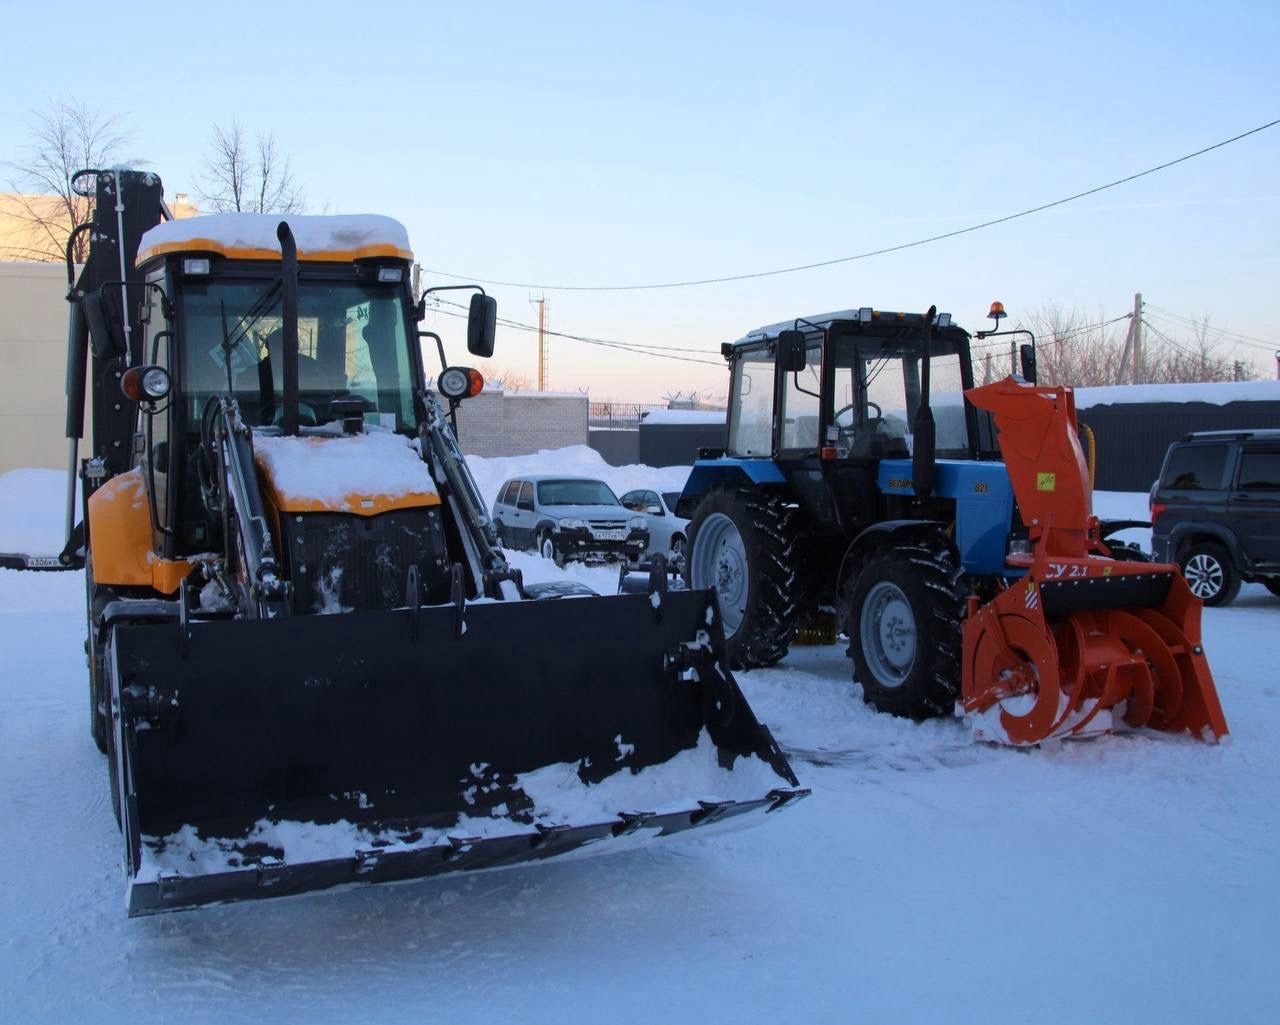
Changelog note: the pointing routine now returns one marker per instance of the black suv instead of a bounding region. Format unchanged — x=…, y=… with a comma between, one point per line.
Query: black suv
x=1215, y=511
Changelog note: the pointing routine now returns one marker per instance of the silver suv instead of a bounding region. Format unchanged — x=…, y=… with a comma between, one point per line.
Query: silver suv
x=565, y=518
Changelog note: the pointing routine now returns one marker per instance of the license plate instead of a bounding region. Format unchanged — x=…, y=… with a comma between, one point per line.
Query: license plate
x=610, y=535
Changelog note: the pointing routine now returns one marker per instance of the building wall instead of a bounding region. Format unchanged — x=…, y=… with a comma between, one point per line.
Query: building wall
x=518, y=423
x=33, y=362
x=618, y=447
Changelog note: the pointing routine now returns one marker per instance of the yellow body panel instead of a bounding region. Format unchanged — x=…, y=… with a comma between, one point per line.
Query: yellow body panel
x=208, y=245
x=120, y=538
x=356, y=503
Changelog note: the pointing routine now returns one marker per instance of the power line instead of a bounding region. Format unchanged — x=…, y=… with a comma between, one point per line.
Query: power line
x=1178, y=318
x=622, y=346
x=1058, y=337
x=874, y=252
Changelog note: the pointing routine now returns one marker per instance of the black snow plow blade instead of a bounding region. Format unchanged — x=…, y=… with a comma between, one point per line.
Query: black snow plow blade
x=260, y=758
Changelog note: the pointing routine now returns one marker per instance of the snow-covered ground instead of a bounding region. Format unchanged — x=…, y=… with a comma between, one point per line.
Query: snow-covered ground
x=1127, y=878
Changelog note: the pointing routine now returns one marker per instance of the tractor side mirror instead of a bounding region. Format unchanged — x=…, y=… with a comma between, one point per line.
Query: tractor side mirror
x=792, y=352
x=482, y=325
x=1027, y=356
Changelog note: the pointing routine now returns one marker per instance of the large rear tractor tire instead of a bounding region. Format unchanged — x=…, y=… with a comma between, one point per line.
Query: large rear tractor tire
x=742, y=545
x=906, y=609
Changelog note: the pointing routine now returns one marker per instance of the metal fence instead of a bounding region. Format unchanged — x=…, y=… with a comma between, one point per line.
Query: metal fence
x=623, y=416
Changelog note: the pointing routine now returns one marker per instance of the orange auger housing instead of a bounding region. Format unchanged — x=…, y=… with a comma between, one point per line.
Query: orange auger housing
x=1083, y=643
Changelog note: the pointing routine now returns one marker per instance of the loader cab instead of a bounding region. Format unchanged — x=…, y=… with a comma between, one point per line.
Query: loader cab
x=358, y=351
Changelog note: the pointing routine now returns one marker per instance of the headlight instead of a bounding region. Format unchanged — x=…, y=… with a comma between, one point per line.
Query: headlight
x=637, y=523
x=569, y=523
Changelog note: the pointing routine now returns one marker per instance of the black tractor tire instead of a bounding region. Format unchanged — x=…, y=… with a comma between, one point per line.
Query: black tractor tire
x=96, y=599
x=765, y=618
x=1210, y=573
x=1272, y=584
x=906, y=612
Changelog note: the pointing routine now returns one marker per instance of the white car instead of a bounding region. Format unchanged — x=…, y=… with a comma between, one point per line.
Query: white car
x=667, y=532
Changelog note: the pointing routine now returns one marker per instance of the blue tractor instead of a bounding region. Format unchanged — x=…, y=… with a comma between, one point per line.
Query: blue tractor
x=855, y=484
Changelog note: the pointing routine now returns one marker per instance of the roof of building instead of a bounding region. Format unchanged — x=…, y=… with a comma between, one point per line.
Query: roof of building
x=329, y=238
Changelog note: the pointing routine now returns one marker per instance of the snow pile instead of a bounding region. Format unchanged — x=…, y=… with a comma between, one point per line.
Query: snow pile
x=328, y=470
x=313, y=233
x=574, y=461
x=33, y=511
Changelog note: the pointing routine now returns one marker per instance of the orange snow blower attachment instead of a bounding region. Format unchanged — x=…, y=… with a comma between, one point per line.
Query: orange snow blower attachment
x=1083, y=643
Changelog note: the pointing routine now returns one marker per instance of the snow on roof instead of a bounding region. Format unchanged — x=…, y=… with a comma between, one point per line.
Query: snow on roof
x=253, y=236
x=672, y=417
x=1217, y=394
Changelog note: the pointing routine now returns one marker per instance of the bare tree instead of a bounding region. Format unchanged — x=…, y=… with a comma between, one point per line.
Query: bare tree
x=65, y=136
x=250, y=176
x=506, y=378
x=1073, y=347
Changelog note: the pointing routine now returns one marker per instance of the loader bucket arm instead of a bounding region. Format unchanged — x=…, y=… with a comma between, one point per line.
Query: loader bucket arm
x=1082, y=643
x=265, y=757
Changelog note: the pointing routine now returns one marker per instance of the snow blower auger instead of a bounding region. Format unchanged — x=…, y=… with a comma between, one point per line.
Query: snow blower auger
x=1082, y=643
x=310, y=664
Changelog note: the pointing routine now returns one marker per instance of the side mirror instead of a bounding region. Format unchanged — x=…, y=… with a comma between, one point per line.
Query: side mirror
x=792, y=351
x=1027, y=356
x=482, y=325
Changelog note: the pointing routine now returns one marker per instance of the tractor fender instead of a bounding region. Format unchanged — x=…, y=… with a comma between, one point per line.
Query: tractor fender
x=709, y=474
x=879, y=534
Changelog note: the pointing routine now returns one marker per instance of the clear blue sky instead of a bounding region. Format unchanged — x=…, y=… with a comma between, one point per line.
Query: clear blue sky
x=621, y=143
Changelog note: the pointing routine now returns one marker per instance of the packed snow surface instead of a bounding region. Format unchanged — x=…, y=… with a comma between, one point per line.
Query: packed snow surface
x=329, y=469
x=1128, y=878
x=313, y=233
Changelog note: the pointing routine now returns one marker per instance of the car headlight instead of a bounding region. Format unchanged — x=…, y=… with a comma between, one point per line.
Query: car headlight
x=637, y=523
x=569, y=523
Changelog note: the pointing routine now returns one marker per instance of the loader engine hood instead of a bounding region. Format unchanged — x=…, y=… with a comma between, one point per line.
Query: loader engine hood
x=363, y=474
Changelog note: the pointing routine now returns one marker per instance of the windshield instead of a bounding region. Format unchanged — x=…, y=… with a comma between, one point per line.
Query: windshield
x=890, y=372
x=575, y=492
x=351, y=341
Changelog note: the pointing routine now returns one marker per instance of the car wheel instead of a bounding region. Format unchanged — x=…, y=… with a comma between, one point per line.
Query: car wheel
x=1210, y=574
x=678, y=546
x=547, y=548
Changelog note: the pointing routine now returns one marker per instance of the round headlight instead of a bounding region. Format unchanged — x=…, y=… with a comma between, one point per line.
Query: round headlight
x=155, y=383
x=454, y=383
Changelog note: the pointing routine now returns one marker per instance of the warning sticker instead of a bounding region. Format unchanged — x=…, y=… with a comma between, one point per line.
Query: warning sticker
x=1046, y=481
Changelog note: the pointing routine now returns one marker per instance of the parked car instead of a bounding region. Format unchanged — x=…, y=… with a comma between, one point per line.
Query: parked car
x=1215, y=511
x=565, y=518
x=668, y=533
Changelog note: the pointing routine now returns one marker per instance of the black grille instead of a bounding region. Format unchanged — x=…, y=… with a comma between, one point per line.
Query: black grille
x=339, y=562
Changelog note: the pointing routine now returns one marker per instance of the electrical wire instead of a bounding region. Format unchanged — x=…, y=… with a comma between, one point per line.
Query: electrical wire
x=1180, y=320
x=1057, y=338
x=874, y=252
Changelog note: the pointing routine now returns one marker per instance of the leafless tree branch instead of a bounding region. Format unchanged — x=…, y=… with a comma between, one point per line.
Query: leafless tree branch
x=245, y=177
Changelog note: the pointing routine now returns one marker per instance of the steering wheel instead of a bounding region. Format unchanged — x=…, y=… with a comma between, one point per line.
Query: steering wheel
x=273, y=412
x=848, y=430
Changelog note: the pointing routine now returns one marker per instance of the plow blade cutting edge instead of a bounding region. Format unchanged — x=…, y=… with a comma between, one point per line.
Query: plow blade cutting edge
x=1082, y=643
x=261, y=758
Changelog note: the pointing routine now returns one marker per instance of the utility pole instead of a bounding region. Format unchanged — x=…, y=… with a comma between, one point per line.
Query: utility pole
x=986, y=367
x=1137, y=338
x=544, y=361
x=1013, y=358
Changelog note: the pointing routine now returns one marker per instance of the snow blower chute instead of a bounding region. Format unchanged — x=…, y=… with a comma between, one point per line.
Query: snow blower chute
x=1083, y=642
x=310, y=664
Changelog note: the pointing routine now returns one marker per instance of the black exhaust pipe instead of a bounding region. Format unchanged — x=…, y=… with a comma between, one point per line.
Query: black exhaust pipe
x=289, y=341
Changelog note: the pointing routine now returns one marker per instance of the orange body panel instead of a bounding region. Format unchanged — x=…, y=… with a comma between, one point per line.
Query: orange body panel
x=120, y=538
x=357, y=504
x=208, y=245
x=1121, y=644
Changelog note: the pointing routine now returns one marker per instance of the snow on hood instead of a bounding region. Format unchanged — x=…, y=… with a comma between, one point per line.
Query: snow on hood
x=329, y=470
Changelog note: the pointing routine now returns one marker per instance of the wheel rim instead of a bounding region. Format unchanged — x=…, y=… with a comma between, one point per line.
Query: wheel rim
x=1205, y=576
x=887, y=629
x=548, y=549
x=720, y=562
x=677, y=546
